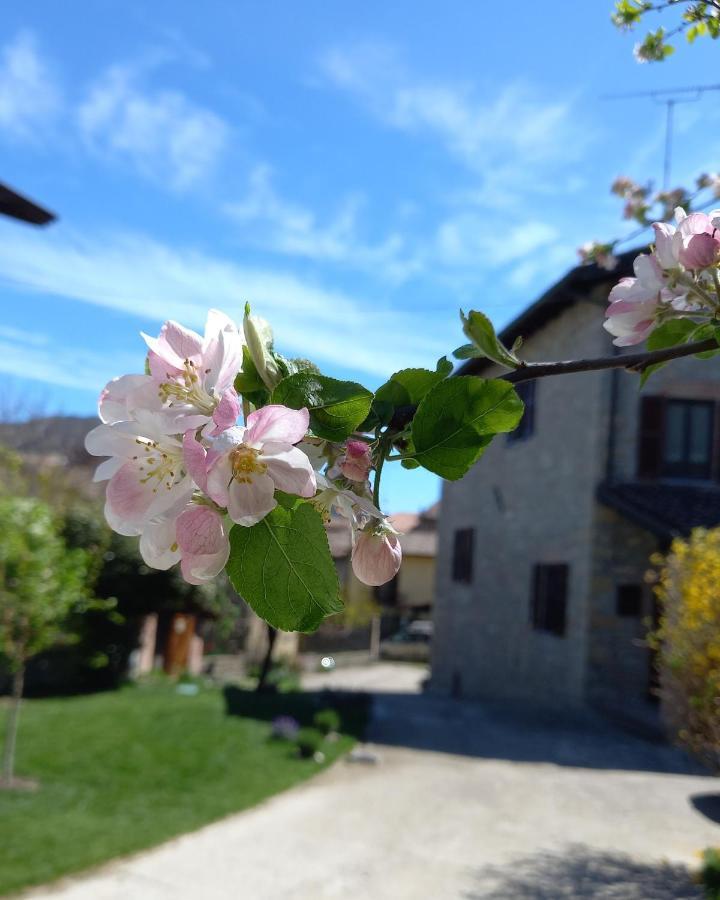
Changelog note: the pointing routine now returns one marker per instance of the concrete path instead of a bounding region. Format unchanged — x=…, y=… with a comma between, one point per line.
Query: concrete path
x=467, y=801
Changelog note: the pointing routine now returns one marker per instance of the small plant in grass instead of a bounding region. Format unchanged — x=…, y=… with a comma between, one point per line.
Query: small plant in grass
x=285, y=728
x=327, y=721
x=308, y=741
x=710, y=873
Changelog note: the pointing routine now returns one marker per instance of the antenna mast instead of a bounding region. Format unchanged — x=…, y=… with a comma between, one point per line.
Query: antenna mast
x=669, y=97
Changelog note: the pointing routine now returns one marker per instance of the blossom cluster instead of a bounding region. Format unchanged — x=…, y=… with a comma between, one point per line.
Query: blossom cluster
x=678, y=279
x=189, y=457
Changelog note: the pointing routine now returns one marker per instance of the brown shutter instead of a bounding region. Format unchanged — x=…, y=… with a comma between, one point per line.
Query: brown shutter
x=650, y=437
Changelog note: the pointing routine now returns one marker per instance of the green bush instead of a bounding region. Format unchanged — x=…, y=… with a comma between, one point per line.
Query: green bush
x=327, y=720
x=710, y=874
x=308, y=742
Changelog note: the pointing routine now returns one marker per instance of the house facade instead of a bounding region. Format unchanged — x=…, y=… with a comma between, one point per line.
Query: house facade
x=544, y=545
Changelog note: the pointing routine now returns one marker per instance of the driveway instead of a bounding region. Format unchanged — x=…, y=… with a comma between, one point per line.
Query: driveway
x=465, y=801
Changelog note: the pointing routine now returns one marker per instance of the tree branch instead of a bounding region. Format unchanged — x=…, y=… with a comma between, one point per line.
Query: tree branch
x=633, y=362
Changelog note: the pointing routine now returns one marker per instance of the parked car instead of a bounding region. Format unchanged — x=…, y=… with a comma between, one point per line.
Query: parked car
x=411, y=643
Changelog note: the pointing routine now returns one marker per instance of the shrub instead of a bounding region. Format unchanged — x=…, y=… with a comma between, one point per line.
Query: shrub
x=688, y=642
x=710, y=873
x=308, y=741
x=327, y=720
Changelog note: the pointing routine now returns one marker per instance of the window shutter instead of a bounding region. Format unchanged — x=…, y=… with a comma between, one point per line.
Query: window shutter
x=650, y=437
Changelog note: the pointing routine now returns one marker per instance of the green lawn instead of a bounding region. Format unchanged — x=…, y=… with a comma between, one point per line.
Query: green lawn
x=126, y=770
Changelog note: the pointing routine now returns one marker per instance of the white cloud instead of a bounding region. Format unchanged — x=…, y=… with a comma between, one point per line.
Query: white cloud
x=134, y=274
x=162, y=133
x=279, y=226
x=469, y=239
x=29, y=96
x=510, y=140
x=34, y=356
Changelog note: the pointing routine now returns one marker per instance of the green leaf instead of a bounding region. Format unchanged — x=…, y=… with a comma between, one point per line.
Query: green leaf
x=481, y=332
x=408, y=386
x=669, y=334
x=336, y=408
x=457, y=420
x=283, y=569
x=466, y=351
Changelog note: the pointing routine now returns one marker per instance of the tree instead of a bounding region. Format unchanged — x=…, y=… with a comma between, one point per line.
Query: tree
x=688, y=641
x=41, y=583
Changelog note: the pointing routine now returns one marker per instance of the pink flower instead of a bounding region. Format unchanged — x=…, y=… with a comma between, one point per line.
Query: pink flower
x=196, y=538
x=665, y=245
x=696, y=242
x=147, y=474
x=355, y=464
x=194, y=375
x=630, y=317
x=250, y=463
x=376, y=556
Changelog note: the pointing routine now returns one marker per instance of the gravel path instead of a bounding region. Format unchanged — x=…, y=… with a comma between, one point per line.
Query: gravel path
x=465, y=801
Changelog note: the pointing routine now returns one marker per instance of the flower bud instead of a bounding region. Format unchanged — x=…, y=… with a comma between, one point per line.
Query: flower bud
x=700, y=251
x=259, y=339
x=355, y=464
x=376, y=556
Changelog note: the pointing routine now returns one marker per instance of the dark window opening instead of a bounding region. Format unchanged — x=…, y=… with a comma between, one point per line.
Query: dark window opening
x=676, y=438
x=462, y=563
x=549, y=599
x=629, y=600
x=526, y=391
x=688, y=438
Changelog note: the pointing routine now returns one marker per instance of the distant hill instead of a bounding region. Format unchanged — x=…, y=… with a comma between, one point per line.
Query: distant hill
x=59, y=437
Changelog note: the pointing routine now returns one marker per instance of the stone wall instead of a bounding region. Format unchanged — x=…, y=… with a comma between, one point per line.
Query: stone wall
x=529, y=501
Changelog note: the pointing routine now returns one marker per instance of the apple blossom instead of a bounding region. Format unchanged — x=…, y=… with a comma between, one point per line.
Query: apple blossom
x=249, y=463
x=630, y=317
x=193, y=376
x=377, y=555
x=356, y=462
x=696, y=242
x=259, y=338
x=146, y=471
x=196, y=538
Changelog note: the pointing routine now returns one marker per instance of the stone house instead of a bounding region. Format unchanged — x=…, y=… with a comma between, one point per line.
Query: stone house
x=544, y=545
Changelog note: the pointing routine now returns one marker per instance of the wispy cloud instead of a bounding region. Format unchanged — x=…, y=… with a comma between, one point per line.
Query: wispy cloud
x=162, y=133
x=507, y=139
x=279, y=226
x=36, y=357
x=29, y=97
x=134, y=274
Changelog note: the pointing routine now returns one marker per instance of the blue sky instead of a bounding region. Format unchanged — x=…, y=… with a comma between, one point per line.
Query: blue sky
x=357, y=172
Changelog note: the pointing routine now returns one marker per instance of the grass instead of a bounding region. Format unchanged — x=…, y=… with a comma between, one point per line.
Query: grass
x=122, y=771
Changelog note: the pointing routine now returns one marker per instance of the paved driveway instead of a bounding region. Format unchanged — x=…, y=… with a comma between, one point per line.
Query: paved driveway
x=467, y=801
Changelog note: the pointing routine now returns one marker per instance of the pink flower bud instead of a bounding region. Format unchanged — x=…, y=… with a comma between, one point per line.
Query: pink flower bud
x=355, y=464
x=700, y=251
x=376, y=556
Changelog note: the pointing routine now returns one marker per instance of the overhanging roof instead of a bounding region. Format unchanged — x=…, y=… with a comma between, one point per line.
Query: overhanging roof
x=18, y=207
x=666, y=510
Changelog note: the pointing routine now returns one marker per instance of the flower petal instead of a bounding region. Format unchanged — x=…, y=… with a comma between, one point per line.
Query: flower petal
x=226, y=412
x=129, y=496
x=250, y=501
x=278, y=424
x=158, y=544
x=290, y=469
x=219, y=477
x=113, y=400
x=203, y=542
x=195, y=457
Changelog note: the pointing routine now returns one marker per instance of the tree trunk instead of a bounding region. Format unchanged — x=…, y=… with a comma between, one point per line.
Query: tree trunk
x=8, y=763
x=267, y=662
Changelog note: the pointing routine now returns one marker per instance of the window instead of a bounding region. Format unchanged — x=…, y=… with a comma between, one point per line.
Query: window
x=687, y=444
x=526, y=428
x=387, y=594
x=676, y=438
x=628, y=600
x=549, y=600
x=462, y=563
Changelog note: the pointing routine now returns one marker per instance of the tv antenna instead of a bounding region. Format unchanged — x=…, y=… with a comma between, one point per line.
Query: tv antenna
x=670, y=97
